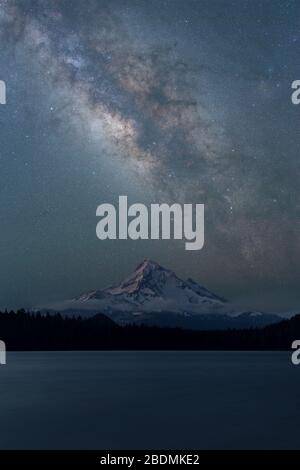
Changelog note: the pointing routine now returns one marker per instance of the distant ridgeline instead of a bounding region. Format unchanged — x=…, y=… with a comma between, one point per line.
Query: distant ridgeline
x=24, y=331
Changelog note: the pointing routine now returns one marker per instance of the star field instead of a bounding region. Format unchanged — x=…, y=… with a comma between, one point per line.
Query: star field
x=163, y=101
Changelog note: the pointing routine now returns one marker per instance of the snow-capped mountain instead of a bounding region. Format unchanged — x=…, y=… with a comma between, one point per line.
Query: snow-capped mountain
x=156, y=296
x=152, y=288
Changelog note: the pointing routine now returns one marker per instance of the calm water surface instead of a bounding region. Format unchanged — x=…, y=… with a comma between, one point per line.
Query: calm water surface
x=158, y=400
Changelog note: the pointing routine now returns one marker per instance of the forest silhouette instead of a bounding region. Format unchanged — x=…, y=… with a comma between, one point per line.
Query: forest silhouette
x=26, y=331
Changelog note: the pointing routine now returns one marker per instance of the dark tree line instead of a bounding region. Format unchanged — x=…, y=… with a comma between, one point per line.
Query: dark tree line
x=33, y=331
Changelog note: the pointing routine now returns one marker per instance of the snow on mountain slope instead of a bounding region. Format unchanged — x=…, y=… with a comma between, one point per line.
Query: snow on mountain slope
x=152, y=288
x=156, y=296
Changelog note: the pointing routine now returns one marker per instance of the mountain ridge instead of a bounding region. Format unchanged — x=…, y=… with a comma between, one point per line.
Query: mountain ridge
x=156, y=296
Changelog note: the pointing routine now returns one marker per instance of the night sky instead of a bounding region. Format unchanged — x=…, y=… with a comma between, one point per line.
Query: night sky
x=163, y=101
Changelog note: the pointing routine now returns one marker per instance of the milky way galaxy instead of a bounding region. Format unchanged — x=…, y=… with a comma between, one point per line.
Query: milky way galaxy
x=163, y=101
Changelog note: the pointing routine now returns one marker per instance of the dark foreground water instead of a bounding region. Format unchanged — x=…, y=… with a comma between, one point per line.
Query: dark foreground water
x=161, y=400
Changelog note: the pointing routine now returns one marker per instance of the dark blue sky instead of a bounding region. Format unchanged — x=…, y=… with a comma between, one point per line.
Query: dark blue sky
x=164, y=101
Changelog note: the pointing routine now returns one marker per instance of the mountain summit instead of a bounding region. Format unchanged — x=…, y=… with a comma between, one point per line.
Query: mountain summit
x=151, y=282
x=154, y=295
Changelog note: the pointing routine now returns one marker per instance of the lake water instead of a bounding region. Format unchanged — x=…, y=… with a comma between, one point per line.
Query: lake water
x=149, y=400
